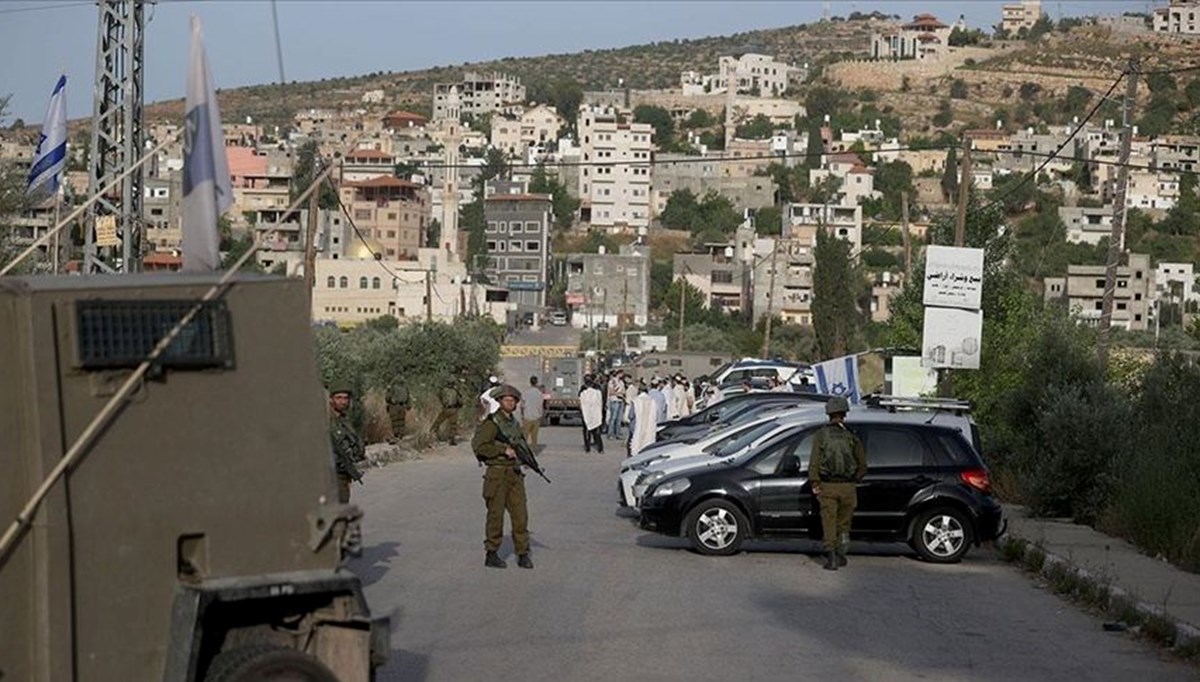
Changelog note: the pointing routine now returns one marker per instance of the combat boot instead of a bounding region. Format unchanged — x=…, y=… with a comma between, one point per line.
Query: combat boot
x=841, y=555
x=524, y=561
x=831, y=562
x=493, y=560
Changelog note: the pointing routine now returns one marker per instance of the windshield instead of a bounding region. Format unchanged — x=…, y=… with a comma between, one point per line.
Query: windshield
x=734, y=442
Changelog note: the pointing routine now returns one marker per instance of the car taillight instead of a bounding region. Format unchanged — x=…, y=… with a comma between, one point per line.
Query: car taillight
x=977, y=479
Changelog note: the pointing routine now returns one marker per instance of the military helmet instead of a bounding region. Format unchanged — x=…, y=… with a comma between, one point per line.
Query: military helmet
x=508, y=390
x=837, y=405
x=341, y=386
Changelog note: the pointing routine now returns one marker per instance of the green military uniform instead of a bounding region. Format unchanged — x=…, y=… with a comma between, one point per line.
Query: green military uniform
x=839, y=494
x=348, y=452
x=451, y=400
x=397, y=408
x=503, y=482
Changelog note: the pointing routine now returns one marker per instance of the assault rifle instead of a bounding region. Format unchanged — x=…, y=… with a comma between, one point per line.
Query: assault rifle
x=524, y=454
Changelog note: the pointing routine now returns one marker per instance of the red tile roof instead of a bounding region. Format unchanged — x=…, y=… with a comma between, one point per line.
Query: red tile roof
x=405, y=116
x=925, y=21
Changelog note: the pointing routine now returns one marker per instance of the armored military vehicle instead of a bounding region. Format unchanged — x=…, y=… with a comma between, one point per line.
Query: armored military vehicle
x=196, y=534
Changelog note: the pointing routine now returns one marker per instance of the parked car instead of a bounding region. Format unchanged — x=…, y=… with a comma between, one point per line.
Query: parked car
x=558, y=318
x=926, y=485
x=720, y=447
x=724, y=412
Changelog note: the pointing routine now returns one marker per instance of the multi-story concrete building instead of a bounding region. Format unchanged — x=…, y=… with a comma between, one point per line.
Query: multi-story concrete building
x=758, y=75
x=922, y=38
x=392, y=211
x=717, y=272
x=781, y=276
x=1082, y=290
x=480, y=94
x=609, y=288
x=1181, y=17
x=614, y=190
x=533, y=129
x=1085, y=224
x=518, y=246
x=1176, y=281
x=1153, y=191
x=160, y=209
x=704, y=174
x=364, y=164
x=1176, y=153
x=1021, y=15
x=261, y=185
x=801, y=222
x=349, y=291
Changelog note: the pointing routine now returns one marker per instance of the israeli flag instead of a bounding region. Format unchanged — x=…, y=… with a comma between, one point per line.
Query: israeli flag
x=207, y=188
x=50, y=157
x=839, y=376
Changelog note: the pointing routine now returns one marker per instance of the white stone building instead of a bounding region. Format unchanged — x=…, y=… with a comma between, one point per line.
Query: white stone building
x=1181, y=17
x=1176, y=279
x=613, y=192
x=1020, y=15
x=533, y=129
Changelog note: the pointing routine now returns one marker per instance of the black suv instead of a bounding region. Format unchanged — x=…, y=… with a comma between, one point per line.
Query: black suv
x=926, y=485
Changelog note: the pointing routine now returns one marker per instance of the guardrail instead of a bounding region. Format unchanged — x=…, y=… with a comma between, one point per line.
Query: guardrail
x=538, y=351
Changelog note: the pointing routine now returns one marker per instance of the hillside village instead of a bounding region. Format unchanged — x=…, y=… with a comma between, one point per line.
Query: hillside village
x=506, y=192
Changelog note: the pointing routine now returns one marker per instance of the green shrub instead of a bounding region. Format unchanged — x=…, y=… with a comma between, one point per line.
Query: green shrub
x=1157, y=504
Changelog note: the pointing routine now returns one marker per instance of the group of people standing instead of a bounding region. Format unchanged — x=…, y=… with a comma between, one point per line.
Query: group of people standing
x=640, y=406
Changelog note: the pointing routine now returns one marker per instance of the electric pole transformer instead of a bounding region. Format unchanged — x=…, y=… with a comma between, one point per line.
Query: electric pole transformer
x=117, y=139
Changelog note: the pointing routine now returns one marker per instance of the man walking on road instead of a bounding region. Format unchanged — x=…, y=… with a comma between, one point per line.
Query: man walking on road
x=532, y=408
x=837, y=463
x=503, y=481
x=591, y=404
x=616, y=404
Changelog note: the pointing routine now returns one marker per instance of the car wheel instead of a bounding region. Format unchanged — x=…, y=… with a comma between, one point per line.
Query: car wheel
x=716, y=528
x=941, y=536
x=261, y=663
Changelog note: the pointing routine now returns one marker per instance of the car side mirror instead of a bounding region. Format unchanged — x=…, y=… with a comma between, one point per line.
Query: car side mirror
x=713, y=417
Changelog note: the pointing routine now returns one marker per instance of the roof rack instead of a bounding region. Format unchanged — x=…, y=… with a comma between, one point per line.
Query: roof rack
x=891, y=403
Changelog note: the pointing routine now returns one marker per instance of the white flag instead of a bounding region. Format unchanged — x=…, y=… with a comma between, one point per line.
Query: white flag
x=50, y=157
x=839, y=376
x=207, y=189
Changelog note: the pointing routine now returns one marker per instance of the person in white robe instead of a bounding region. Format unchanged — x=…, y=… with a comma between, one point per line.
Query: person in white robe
x=644, y=425
x=591, y=403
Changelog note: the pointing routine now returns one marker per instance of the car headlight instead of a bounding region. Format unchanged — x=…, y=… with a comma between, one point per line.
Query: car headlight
x=672, y=487
x=648, y=478
x=652, y=460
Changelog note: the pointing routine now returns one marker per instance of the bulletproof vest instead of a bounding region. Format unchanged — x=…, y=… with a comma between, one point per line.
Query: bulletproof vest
x=838, y=462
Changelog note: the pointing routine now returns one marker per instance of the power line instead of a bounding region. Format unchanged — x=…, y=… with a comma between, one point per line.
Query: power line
x=40, y=8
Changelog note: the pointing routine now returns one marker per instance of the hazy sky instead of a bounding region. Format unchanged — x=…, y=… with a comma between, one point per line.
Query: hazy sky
x=325, y=38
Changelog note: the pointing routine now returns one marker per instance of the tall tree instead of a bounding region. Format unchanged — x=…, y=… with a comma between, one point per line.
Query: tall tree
x=565, y=206
x=303, y=173
x=836, y=318
x=950, y=174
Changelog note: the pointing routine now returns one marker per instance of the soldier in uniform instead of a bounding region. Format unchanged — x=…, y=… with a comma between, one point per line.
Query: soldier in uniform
x=837, y=463
x=451, y=400
x=348, y=448
x=397, y=407
x=503, y=481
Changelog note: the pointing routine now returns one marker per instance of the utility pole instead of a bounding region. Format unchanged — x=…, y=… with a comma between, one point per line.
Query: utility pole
x=1116, y=238
x=624, y=304
x=682, y=303
x=428, y=297
x=904, y=236
x=766, y=346
x=964, y=194
x=310, y=247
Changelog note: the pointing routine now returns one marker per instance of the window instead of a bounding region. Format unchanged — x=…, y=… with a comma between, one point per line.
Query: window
x=344, y=282
x=491, y=226
x=1099, y=305
x=533, y=246
x=514, y=245
x=894, y=448
x=722, y=277
x=796, y=448
x=1099, y=284
x=375, y=282
x=503, y=228
x=362, y=214
x=1122, y=284
x=532, y=227
x=331, y=282
x=491, y=246
x=362, y=282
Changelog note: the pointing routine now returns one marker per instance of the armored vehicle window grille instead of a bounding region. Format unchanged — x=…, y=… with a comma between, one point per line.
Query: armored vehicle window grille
x=116, y=334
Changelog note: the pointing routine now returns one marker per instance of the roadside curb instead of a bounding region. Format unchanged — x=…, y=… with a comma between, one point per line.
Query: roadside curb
x=1069, y=579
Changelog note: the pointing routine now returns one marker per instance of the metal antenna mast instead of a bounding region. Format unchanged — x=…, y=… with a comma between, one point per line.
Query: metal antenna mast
x=117, y=139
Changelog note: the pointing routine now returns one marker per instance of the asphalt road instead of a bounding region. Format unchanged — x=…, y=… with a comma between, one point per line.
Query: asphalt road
x=608, y=601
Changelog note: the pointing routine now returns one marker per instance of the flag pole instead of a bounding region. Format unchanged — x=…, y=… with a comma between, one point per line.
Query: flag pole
x=58, y=193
